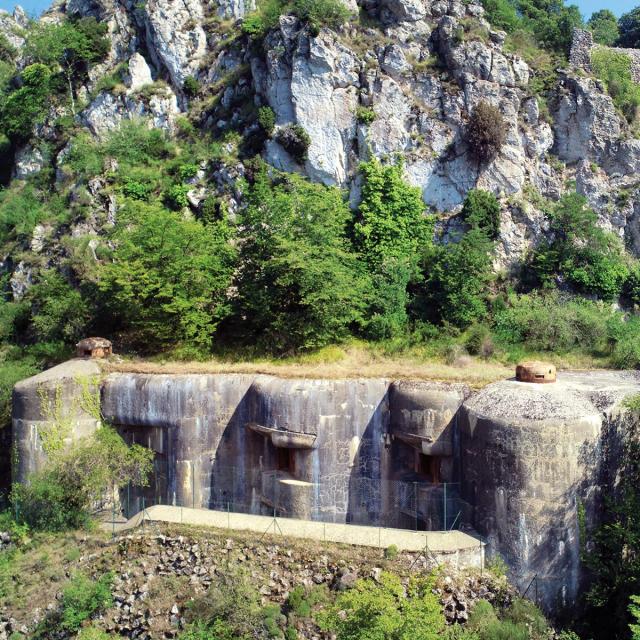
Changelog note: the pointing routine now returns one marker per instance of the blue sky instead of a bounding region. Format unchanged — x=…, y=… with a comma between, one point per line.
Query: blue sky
x=586, y=6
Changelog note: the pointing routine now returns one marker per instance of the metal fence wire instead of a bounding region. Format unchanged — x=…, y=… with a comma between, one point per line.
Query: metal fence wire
x=405, y=504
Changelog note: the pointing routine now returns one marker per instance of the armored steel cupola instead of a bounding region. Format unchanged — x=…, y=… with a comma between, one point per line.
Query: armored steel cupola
x=536, y=372
x=94, y=348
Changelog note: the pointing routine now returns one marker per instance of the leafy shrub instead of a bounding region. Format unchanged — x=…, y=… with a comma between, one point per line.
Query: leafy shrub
x=297, y=602
x=626, y=344
x=136, y=190
x=384, y=610
x=551, y=322
x=7, y=50
x=580, y=252
x=614, y=69
x=12, y=370
x=365, y=115
x=218, y=630
x=486, y=131
x=321, y=13
x=391, y=552
x=191, y=86
x=295, y=141
x=21, y=209
x=62, y=495
x=83, y=598
x=175, y=197
x=501, y=14
x=634, y=610
x=479, y=341
x=188, y=171
x=267, y=119
x=259, y=22
x=230, y=609
x=26, y=106
x=481, y=210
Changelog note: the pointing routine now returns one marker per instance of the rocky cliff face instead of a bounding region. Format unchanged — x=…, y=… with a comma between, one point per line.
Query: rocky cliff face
x=420, y=65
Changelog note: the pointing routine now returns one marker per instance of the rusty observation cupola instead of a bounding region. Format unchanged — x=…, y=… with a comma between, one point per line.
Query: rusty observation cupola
x=94, y=348
x=536, y=372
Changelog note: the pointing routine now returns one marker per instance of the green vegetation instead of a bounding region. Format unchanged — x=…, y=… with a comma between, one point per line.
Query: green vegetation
x=315, y=13
x=365, y=115
x=614, y=69
x=486, y=131
x=389, y=232
x=604, y=26
x=629, y=26
x=609, y=552
x=267, y=120
x=580, y=252
x=63, y=494
x=295, y=140
x=300, y=286
x=481, y=210
x=383, y=610
x=550, y=22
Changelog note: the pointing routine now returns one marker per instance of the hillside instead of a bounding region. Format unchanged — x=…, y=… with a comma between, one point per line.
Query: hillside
x=214, y=179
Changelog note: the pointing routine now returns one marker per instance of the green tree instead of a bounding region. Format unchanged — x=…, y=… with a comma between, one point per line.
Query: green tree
x=581, y=253
x=385, y=610
x=481, y=210
x=634, y=610
x=72, y=46
x=604, y=26
x=551, y=21
x=456, y=277
x=502, y=14
x=27, y=105
x=300, y=286
x=629, y=26
x=168, y=280
x=390, y=231
x=63, y=495
x=59, y=311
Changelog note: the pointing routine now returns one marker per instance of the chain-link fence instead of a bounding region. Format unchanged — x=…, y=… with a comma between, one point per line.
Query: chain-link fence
x=411, y=504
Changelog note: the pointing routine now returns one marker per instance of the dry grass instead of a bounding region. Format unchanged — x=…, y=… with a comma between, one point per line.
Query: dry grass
x=334, y=363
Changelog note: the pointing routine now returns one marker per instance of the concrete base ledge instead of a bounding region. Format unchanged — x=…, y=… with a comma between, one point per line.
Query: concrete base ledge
x=456, y=548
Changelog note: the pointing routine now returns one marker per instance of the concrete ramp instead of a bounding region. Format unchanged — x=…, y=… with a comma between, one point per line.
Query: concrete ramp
x=456, y=548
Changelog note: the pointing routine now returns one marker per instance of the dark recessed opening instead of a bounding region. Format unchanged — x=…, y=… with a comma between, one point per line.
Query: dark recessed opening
x=286, y=460
x=429, y=466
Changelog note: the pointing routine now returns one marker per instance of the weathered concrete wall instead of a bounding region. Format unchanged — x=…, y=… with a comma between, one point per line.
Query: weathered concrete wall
x=530, y=455
x=364, y=450
x=51, y=403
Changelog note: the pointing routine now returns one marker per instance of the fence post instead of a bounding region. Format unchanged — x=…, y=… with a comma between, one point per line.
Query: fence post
x=415, y=502
x=143, y=512
x=445, y=506
x=193, y=485
x=228, y=516
x=113, y=518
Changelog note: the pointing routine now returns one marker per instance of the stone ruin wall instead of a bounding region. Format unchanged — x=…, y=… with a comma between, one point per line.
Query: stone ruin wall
x=583, y=46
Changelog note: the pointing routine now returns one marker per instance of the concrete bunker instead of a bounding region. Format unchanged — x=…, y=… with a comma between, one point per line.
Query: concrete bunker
x=513, y=461
x=286, y=485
